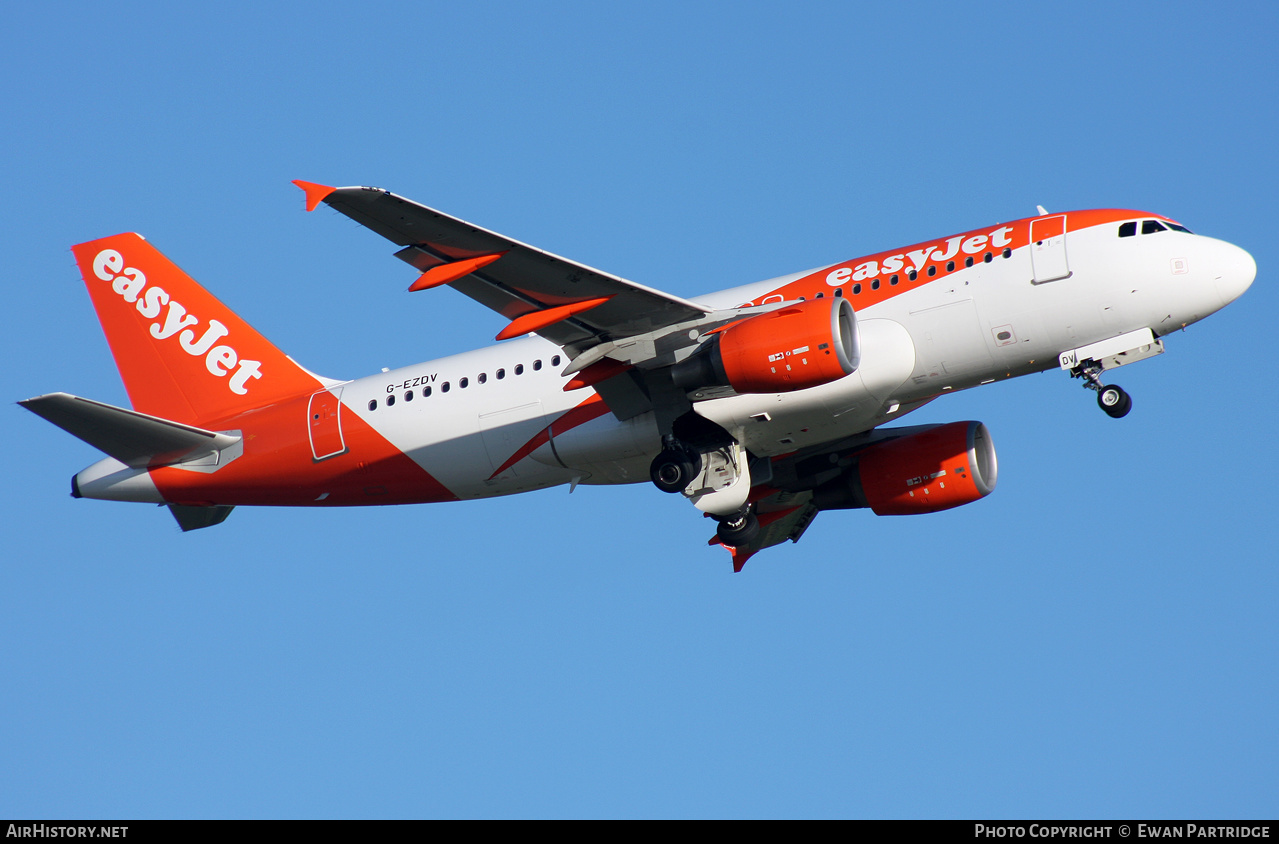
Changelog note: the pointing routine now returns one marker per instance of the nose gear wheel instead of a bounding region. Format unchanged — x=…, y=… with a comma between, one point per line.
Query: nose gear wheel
x=1113, y=400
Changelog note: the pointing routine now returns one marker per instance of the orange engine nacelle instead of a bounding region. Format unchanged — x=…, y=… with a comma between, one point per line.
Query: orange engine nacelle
x=935, y=469
x=792, y=348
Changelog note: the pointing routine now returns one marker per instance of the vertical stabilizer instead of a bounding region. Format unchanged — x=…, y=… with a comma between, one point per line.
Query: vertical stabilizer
x=183, y=354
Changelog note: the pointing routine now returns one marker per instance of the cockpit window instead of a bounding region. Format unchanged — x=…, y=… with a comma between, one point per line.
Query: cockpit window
x=1151, y=226
x=1178, y=228
x=1127, y=229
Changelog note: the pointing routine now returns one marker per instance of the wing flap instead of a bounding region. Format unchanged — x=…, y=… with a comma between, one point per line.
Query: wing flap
x=135, y=439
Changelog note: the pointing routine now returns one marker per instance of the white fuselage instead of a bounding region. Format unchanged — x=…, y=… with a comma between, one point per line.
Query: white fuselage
x=970, y=326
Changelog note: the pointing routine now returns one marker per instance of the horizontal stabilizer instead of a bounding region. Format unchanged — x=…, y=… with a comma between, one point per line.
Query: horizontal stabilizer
x=133, y=438
x=194, y=518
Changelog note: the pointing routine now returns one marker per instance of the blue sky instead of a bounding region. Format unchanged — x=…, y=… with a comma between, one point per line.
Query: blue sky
x=1097, y=638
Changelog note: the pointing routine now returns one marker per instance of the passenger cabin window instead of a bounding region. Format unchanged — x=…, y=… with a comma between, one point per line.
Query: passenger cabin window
x=537, y=364
x=484, y=377
x=1151, y=226
x=373, y=404
x=555, y=361
x=444, y=388
x=408, y=396
x=390, y=400
x=519, y=369
x=463, y=382
x=1127, y=229
x=501, y=373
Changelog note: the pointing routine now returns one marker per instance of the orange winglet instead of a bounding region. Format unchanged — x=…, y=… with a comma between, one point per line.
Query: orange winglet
x=452, y=271
x=595, y=373
x=315, y=194
x=550, y=316
x=739, y=557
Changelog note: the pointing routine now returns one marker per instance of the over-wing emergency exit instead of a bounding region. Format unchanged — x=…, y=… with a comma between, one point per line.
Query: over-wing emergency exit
x=762, y=405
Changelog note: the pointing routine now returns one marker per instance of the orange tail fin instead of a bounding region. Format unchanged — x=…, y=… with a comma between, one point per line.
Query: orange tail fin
x=183, y=355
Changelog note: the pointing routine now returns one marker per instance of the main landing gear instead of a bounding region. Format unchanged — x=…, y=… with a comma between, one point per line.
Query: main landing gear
x=712, y=470
x=739, y=528
x=1113, y=400
x=717, y=482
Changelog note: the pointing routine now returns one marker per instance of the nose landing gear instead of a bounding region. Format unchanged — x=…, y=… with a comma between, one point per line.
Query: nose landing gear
x=1113, y=400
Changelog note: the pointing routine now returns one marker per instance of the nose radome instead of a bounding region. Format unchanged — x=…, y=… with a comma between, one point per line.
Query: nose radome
x=1234, y=272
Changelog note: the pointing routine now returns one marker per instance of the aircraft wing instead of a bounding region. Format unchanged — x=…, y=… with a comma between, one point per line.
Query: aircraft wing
x=782, y=516
x=568, y=303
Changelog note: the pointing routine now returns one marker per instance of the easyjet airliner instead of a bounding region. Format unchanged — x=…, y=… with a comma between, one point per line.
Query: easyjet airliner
x=762, y=405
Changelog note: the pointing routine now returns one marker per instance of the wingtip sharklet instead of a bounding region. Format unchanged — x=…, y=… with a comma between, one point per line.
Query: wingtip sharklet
x=739, y=556
x=315, y=193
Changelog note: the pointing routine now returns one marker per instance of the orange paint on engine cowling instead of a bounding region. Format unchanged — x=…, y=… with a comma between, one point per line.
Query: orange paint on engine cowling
x=792, y=348
x=933, y=470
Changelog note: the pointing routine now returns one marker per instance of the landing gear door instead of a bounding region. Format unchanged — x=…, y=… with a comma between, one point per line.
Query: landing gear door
x=1048, y=248
x=324, y=417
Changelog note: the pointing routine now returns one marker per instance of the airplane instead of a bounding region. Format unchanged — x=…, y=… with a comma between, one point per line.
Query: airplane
x=762, y=405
